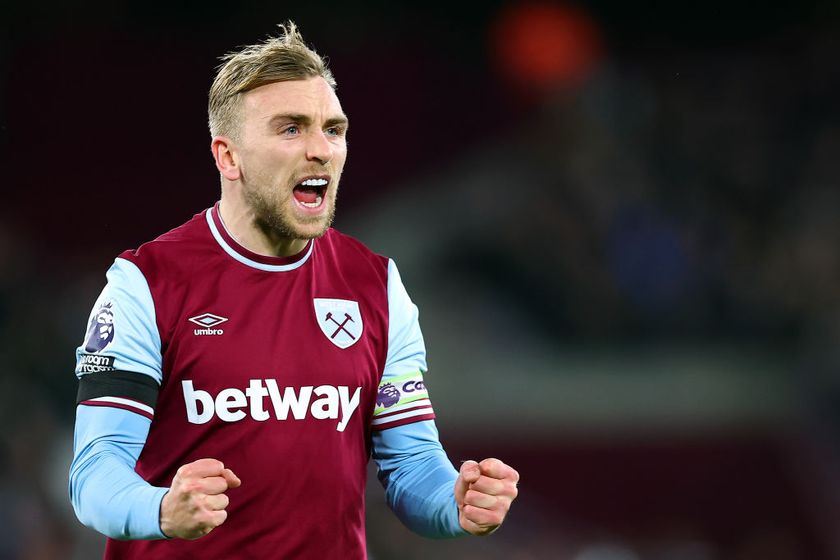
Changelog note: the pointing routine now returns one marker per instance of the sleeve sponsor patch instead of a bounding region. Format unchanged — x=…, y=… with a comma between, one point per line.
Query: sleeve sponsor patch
x=94, y=363
x=402, y=400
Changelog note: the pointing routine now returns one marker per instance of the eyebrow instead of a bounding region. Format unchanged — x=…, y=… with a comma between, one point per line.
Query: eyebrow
x=306, y=120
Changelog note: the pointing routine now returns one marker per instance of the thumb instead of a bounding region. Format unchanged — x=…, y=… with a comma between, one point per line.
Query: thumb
x=469, y=473
x=231, y=479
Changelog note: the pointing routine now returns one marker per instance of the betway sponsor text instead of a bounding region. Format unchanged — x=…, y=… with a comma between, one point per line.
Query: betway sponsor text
x=229, y=405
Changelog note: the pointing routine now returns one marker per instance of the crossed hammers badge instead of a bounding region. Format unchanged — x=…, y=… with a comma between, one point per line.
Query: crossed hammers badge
x=340, y=320
x=340, y=328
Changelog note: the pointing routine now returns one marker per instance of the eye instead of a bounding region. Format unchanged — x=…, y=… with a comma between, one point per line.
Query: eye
x=292, y=130
x=335, y=131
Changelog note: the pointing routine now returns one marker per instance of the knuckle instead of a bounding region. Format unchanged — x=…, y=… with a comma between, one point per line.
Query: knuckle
x=487, y=517
x=203, y=518
x=192, y=486
x=471, y=496
x=496, y=487
x=475, y=514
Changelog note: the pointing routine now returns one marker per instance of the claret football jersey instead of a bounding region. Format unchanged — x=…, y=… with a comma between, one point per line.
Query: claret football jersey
x=279, y=367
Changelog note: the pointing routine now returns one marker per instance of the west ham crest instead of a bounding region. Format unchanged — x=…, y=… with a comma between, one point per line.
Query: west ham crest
x=340, y=320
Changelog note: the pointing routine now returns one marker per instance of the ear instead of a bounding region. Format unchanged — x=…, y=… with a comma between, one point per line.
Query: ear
x=227, y=159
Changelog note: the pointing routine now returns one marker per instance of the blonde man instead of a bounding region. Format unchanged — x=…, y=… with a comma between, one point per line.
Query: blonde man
x=256, y=357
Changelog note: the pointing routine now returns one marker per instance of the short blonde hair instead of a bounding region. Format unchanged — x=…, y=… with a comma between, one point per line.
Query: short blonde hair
x=277, y=59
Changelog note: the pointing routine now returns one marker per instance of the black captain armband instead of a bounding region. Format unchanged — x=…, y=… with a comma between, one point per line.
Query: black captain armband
x=134, y=392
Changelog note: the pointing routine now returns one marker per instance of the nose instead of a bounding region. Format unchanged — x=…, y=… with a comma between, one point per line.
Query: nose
x=319, y=148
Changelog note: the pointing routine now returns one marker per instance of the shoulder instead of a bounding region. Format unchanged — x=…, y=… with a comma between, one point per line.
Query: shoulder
x=174, y=249
x=349, y=250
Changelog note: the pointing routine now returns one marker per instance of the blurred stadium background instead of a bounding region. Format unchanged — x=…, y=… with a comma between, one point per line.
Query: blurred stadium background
x=619, y=221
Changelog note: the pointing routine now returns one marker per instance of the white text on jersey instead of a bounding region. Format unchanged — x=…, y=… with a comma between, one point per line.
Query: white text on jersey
x=228, y=404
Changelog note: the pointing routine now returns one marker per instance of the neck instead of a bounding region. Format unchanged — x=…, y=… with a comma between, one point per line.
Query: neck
x=241, y=223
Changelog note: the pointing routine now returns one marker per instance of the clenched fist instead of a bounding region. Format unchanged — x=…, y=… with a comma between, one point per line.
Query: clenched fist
x=484, y=492
x=196, y=501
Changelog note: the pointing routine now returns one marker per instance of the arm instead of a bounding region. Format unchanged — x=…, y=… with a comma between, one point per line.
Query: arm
x=418, y=478
x=119, y=370
x=106, y=493
x=110, y=497
x=422, y=488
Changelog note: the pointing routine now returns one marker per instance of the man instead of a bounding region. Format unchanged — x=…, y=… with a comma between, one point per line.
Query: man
x=239, y=370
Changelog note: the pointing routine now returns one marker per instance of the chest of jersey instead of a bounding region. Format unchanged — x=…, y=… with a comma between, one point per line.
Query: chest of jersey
x=275, y=346
x=302, y=345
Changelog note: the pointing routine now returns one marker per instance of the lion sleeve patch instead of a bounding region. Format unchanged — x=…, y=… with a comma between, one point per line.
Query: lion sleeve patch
x=101, y=328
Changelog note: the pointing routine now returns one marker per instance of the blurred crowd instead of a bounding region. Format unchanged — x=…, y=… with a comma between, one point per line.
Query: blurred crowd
x=674, y=194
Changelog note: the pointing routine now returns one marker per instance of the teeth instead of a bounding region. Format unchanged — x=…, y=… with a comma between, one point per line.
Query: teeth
x=315, y=204
x=315, y=182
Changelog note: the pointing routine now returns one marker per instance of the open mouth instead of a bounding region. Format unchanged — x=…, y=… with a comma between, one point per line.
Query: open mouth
x=310, y=192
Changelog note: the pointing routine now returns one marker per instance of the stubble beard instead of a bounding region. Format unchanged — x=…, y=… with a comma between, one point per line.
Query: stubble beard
x=272, y=215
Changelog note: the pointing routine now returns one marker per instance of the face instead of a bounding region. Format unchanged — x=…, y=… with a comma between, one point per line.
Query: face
x=292, y=150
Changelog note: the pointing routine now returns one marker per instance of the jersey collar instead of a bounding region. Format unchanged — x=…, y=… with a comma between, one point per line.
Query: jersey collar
x=249, y=258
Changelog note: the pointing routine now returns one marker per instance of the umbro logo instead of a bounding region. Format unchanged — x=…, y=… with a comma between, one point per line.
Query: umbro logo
x=208, y=321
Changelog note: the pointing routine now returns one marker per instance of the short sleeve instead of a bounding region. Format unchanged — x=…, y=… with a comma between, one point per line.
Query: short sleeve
x=402, y=397
x=119, y=363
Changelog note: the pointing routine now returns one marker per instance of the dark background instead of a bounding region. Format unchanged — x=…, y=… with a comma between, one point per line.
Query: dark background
x=618, y=220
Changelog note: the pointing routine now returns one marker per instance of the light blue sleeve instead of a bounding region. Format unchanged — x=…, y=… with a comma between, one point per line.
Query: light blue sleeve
x=122, y=329
x=402, y=396
x=418, y=478
x=406, y=349
x=106, y=492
